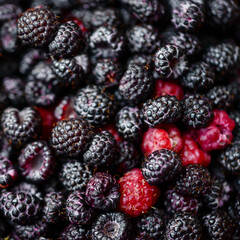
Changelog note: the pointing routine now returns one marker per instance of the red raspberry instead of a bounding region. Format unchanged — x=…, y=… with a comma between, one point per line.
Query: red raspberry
x=111, y=128
x=168, y=88
x=137, y=196
x=218, y=134
x=166, y=136
x=192, y=154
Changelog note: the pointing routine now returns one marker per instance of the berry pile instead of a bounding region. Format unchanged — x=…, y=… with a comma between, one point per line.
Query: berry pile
x=119, y=119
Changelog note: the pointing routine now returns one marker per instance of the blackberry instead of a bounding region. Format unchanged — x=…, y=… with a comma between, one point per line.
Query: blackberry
x=37, y=26
x=71, y=137
x=161, y=167
x=235, y=115
x=170, y=61
x=107, y=42
x=197, y=111
x=234, y=211
x=200, y=77
x=164, y=109
x=194, y=180
x=36, y=162
x=222, y=97
x=90, y=4
x=230, y=159
x=74, y=232
x=77, y=210
x=151, y=224
x=84, y=61
x=69, y=71
x=20, y=126
x=183, y=226
x=20, y=207
x=8, y=173
x=113, y=225
x=84, y=15
x=74, y=176
x=217, y=225
x=188, y=16
x=107, y=73
x=175, y=202
x=143, y=39
x=140, y=59
x=102, y=192
x=68, y=41
x=102, y=150
x=129, y=123
x=9, y=11
x=136, y=84
x=223, y=57
x=95, y=105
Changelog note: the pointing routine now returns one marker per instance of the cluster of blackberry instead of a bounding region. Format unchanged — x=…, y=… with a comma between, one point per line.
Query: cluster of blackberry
x=119, y=119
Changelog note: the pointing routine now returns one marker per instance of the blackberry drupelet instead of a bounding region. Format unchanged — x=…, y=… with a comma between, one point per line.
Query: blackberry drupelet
x=102, y=192
x=53, y=209
x=102, y=150
x=71, y=137
x=194, y=180
x=164, y=109
x=218, y=225
x=170, y=61
x=21, y=126
x=37, y=26
x=200, y=77
x=74, y=232
x=175, y=202
x=107, y=73
x=68, y=41
x=183, y=226
x=222, y=97
x=230, y=158
x=197, y=111
x=20, y=207
x=9, y=11
x=151, y=224
x=74, y=176
x=107, y=42
x=143, y=39
x=113, y=225
x=77, y=210
x=161, y=167
x=36, y=162
x=129, y=123
x=8, y=173
x=95, y=105
x=136, y=84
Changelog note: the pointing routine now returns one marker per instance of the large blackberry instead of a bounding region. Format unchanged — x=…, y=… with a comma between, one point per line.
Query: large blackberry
x=95, y=105
x=21, y=126
x=197, y=111
x=114, y=225
x=129, y=123
x=200, y=77
x=37, y=26
x=161, y=167
x=102, y=150
x=194, y=180
x=217, y=225
x=36, y=162
x=183, y=226
x=74, y=232
x=230, y=158
x=143, y=39
x=68, y=41
x=20, y=207
x=77, y=210
x=8, y=173
x=9, y=11
x=170, y=61
x=164, y=109
x=71, y=137
x=74, y=175
x=151, y=224
x=103, y=192
x=136, y=84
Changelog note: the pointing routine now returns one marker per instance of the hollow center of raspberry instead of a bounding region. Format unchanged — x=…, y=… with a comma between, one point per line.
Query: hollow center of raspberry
x=111, y=229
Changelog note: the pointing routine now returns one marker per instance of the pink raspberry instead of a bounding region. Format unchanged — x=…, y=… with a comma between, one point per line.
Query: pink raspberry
x=137, y=196
x=218, y=134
